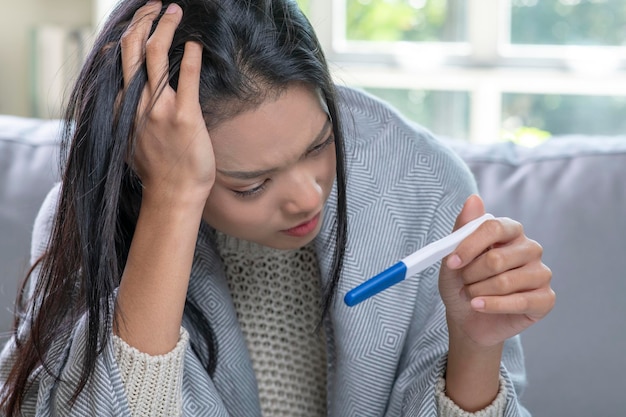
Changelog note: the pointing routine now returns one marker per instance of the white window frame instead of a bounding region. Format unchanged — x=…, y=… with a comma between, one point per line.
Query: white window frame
x=486, y=66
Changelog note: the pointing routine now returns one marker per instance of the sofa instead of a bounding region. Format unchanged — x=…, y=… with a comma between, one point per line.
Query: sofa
x=570, y=194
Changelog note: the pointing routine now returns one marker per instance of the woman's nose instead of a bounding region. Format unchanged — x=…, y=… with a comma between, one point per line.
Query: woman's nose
x=302, y=194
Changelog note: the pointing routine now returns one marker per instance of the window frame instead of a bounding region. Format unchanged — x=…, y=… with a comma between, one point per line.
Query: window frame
x=487, y=66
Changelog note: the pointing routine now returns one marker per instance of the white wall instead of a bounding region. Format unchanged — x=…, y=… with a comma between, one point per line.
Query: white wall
x=101, y=9
x=17, y=19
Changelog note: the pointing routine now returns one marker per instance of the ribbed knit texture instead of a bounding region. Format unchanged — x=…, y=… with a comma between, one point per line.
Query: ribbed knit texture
x=447, y=408
x=153, y=383
x=277, y=297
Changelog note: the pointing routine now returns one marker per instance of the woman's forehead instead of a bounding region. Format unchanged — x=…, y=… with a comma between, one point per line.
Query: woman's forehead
x=277, y=131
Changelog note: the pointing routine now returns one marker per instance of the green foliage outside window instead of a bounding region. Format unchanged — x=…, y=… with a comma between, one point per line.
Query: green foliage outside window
x=568, y=22
x=526, y=118
x=403, y=20
x=562, y=114
x=446, y=112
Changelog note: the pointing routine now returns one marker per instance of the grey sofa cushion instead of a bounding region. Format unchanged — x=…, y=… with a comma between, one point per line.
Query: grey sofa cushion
x=28, y=168
x=570, y=194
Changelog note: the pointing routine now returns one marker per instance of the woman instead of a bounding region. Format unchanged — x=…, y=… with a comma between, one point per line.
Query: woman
x=218, y=194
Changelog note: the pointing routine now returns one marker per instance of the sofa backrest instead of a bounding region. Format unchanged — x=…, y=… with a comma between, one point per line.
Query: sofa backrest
x=28, y=168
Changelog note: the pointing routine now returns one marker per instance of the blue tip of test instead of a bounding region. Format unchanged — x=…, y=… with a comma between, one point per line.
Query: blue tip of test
x=414, y=263
x=380, y=282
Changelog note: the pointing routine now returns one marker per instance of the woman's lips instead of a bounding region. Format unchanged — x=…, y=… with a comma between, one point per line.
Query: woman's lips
x=305, y=228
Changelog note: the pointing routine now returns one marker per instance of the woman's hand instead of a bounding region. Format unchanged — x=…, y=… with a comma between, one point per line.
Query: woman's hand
x=173, y=157
x=494, y=285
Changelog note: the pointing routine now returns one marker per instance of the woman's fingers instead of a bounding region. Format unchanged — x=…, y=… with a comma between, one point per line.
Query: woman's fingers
x=495, y=232
x=533, y=304
x=189, y=80
x=158, y=46
x=527, y=278
x=134, y=39
x=139, y=46
x=501, y=258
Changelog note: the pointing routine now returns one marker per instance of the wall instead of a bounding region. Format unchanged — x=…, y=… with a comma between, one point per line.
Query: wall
x=17, y=19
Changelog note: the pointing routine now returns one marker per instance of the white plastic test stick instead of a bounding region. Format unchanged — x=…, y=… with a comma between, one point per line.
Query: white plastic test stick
x=414, y=263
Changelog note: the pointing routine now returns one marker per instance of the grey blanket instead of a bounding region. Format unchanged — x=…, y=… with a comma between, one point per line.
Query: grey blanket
x=385, y=355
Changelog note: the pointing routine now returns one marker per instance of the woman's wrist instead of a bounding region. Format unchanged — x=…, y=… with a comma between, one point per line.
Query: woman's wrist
x=472, y=372
x=152, y=292
x=172, y=199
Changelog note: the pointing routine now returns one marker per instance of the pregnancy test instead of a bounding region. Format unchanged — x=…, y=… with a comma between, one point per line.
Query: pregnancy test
x=414, y=263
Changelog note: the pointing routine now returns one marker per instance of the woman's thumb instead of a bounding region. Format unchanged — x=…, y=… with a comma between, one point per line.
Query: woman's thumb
x=472, y=209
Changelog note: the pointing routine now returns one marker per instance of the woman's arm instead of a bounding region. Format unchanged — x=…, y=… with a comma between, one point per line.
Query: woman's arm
x=174, y=160
x=493, y=286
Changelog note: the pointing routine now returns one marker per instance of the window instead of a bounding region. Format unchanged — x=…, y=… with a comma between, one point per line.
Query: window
x=484, y=70
x=568, y=22
x=413, y=21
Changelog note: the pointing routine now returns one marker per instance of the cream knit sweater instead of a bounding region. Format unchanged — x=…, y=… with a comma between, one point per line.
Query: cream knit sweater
x=276, y=295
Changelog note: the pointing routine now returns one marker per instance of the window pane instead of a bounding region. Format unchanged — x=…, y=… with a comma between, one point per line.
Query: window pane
x=406, y=20
x=568, y=22
x=564, y=114
x=445, y=113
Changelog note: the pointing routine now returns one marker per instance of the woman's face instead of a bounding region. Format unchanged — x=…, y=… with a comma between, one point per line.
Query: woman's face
x=275, y=169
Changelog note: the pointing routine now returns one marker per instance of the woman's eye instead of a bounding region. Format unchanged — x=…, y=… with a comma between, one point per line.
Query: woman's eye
x=319, y=148
x=252, y=192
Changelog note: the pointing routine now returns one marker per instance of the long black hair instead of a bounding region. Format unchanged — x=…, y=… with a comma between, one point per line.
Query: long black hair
x=252, y=50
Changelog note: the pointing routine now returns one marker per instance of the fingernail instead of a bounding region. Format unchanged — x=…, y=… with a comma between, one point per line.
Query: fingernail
x=454, y=261
x=172, y=8
x=478, y=304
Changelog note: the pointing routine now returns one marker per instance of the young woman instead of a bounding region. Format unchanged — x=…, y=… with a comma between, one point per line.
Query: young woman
x=219, y=197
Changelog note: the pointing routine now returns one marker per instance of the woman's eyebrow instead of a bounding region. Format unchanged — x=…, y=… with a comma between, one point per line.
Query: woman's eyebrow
x=248, y=175
x=321, y=135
